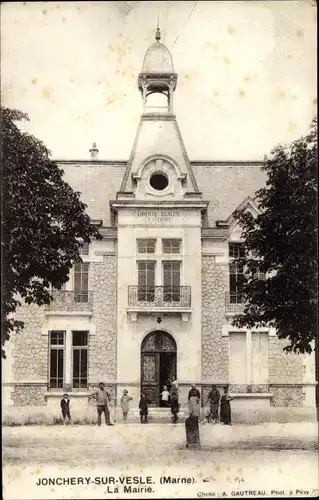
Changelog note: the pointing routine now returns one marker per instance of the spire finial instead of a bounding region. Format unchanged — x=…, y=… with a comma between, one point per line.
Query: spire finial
x=158, y=33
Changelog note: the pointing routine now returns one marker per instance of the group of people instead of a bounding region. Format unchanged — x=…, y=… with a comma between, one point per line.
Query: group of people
x=219, y=406
x=169, y=398
x=219, y=409
x=102, y=398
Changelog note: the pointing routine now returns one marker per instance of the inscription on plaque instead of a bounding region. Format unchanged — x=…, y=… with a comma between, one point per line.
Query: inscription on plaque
x=158, y=216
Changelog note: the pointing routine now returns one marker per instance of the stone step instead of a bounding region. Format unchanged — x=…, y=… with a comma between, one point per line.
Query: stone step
x=157, y=411
x=155, y=415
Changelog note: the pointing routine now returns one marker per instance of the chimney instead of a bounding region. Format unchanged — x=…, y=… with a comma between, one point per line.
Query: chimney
x=94, y=151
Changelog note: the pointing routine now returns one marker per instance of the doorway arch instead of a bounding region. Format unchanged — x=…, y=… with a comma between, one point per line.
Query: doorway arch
x=158, y=364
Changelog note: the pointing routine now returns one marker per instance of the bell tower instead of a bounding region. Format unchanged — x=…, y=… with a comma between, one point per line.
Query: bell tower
x=158, y=204
x=158, y=166
x=157, y=78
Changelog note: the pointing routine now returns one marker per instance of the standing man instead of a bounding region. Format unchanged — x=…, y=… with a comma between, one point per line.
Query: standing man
x=174, y=402
x=102, y=401
x=213, y=401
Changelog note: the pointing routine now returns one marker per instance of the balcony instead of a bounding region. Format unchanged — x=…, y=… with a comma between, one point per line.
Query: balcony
x=70, y=301
x=159, y=299
x=234, y=303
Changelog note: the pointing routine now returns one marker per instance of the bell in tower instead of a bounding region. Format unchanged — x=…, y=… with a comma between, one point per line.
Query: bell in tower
x=157, y=78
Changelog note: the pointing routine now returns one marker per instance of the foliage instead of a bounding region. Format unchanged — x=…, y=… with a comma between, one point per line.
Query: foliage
x=44, y=222
x=282, y=242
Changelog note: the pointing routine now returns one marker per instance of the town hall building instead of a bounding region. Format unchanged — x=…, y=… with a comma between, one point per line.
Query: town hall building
x=153, y=301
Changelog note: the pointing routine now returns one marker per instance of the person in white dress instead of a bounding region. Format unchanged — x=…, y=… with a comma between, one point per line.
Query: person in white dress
x=165, y=396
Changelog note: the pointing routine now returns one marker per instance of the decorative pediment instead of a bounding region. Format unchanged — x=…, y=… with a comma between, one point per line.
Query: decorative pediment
x=248, y=205
x=158, y=175
x=158, y=161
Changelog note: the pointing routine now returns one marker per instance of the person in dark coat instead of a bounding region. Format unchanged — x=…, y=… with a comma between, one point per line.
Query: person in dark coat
x=213, y=402
x=193, y=392
x=174, y=402
x=143, y=406
x=225, y=410
x=65, y=408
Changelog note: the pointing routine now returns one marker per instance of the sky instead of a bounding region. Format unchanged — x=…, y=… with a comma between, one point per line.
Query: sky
x=246, y=73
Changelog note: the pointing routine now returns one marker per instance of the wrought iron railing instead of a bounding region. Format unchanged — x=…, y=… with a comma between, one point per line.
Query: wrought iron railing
x=234, y=302
x=159, y=296
x=65, y=300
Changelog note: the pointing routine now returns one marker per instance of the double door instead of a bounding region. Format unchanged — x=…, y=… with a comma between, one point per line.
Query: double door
x=157, y=369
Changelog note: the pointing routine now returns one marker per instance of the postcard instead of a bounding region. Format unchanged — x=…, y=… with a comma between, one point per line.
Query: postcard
x=154, y=154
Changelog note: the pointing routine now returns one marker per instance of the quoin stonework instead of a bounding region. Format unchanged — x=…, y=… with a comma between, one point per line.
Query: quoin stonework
x=154, y=300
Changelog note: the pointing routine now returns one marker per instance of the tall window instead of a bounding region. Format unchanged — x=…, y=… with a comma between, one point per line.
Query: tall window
x=80, y=359
x=81, y=281
x=146, y=281
x=84, y=250
x=236, y=273
x=248, y=358
x=146, y=246
x=56, y=339
x=171, y=246
x=259, y=357
x=172, y=281
x=237, y=358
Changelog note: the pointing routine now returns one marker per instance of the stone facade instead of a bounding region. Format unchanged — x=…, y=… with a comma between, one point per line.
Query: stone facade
x=214, y=346
x=30, y=358
x=283, y=368
x=287, y=396
x=29, y=395
x=102, y=348
x=30, y=353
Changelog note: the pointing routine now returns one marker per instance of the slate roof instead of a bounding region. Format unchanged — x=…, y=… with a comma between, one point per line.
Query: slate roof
x=224, y=184
x=98, y=184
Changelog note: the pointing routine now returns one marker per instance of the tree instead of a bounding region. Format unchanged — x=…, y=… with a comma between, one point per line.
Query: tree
x=281, y=242
x=44, y=223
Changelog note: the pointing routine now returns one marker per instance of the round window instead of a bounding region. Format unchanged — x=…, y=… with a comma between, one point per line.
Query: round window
x=159, y=181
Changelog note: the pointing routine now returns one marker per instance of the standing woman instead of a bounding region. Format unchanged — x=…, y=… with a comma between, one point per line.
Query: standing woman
x=225, y=411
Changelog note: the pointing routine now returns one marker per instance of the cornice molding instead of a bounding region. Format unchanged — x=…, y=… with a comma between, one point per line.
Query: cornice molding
x=193, y=163
x=92, y=163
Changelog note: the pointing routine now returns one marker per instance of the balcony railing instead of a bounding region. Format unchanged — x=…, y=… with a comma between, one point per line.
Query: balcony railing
x=64, y=300
x=234, y=302
x=159, y=296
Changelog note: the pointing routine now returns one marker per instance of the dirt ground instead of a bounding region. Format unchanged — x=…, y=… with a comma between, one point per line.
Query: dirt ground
x=278, y=458
x=157, y=442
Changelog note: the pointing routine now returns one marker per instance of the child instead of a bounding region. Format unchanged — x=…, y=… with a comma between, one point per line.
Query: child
x=65, y=408
x=165, y=396
x=125, y=399
x=225, y=411
x=143, y=406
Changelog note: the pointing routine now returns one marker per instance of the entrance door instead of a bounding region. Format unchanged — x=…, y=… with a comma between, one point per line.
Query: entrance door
x=158, y=364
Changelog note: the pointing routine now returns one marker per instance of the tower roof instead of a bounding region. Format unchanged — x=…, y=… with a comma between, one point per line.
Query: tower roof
x=158, y=58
